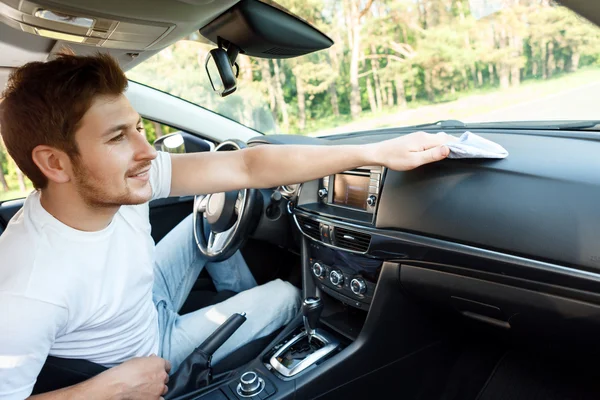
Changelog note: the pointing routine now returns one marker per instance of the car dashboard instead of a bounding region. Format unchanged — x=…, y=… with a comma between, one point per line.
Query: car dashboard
x=505, y=242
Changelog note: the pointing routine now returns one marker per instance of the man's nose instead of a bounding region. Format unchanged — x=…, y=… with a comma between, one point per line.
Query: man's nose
x=144, y=150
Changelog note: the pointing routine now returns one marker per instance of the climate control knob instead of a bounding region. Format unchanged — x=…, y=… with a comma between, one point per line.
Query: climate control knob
x=358, y=286
x=318, y=270
x=336, y=277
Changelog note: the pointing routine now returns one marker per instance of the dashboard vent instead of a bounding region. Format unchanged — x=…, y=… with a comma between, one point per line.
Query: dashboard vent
x=310, y=227
x=352, y=240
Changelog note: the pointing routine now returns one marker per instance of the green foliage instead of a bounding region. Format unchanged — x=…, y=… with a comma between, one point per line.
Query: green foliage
x=432, y=50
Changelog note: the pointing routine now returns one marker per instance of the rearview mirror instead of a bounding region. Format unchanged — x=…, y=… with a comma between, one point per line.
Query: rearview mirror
x=220, y=72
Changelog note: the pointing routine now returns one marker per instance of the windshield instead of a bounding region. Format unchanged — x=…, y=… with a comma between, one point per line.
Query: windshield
x=404, y=62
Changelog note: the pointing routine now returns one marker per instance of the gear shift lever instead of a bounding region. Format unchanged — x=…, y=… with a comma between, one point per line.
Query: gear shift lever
x=311, y=311
x=304, y=349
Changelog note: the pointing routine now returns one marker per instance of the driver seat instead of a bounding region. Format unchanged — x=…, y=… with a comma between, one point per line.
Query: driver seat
x=58, y=373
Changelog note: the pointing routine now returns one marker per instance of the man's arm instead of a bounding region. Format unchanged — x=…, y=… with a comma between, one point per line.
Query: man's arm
x=273, y=165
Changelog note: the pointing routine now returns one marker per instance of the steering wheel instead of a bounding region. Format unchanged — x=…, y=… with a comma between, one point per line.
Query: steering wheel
x=222, y=221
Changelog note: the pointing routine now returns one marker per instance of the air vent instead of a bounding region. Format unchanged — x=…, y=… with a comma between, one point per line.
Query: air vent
x=310, y=227
x=352, y=240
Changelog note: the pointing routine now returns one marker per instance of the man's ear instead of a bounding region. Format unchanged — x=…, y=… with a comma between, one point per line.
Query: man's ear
x=53, y=163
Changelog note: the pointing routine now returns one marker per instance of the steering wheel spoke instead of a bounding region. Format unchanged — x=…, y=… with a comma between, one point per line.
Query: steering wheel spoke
x=218, y=240
x=239, y=202
x=201, y=203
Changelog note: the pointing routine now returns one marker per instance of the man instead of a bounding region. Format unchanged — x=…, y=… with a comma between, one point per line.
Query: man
x=80, y=276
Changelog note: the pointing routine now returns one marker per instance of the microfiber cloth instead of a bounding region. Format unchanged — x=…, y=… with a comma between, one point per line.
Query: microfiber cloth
x=470, y=145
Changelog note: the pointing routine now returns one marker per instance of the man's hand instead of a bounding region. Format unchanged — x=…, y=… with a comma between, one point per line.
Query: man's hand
x=139, y=378
x=412, y=150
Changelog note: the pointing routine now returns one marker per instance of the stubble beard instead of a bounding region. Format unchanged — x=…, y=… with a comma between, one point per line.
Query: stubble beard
x=96, y=195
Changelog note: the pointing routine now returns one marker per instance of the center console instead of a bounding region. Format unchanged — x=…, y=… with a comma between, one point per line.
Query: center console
x=335, y=216
x=338, y=263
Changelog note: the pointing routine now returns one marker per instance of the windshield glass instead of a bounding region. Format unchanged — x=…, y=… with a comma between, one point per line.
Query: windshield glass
x=404, y=62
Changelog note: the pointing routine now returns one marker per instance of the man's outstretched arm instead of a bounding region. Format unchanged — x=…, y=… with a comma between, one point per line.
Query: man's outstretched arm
x=273, y=165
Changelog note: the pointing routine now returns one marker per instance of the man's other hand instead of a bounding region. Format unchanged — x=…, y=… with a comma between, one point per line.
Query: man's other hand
x=412, y=150
x=139, y=378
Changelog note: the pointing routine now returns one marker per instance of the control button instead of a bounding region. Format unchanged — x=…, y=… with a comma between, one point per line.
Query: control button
x=318, y=270
x=269, y=388
x=322, y=193
x=373, y=189
x=263, y=395
x=371, y=200
x=374, y=182
x=336, y=277
x=358, y=286
x=250, y=384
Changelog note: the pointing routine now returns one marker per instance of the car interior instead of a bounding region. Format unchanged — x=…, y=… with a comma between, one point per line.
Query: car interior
x=462, y=279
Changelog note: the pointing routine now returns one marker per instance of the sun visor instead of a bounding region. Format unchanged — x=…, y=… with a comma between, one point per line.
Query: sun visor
x=105, y=32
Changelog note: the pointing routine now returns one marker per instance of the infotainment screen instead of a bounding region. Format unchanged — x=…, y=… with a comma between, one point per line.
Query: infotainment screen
x=351, y=190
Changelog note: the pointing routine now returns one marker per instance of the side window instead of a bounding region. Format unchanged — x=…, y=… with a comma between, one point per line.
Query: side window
x=154, y=130
x=13, y=184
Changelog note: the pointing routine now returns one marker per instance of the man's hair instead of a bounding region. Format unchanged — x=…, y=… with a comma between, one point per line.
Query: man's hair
x=44, y=103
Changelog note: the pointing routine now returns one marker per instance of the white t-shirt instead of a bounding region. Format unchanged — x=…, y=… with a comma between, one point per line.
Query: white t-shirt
x=75, y=294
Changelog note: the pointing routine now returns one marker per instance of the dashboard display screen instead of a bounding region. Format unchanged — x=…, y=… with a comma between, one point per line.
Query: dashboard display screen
x=351, y=190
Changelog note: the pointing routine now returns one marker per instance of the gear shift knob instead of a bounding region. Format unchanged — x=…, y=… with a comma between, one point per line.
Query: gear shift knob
x=311, y=311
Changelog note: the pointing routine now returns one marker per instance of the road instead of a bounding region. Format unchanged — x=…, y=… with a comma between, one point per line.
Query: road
x=575, y=103
x=522, y=104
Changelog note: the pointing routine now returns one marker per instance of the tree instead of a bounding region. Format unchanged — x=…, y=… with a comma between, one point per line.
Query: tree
x=3, y=166
x=386, y=53
x=354, y=15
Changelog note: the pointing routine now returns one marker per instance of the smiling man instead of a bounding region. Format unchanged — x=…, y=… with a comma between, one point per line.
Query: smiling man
x=80, y=275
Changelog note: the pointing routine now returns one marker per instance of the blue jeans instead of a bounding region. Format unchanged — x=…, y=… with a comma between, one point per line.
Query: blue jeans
x=178, y=264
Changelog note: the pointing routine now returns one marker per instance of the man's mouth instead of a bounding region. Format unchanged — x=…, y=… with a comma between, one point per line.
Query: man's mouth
x=142, y=175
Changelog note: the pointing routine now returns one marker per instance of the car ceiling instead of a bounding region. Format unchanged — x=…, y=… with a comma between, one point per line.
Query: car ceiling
x=18, y=47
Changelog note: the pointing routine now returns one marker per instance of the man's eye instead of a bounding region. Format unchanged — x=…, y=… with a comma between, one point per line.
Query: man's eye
x=118, y=138
x=140, y=129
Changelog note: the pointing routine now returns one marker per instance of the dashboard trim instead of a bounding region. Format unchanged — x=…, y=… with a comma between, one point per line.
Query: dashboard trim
x=440, y=244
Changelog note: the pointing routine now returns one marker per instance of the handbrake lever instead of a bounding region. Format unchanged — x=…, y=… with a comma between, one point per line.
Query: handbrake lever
x=222, y=333
x=196, y=370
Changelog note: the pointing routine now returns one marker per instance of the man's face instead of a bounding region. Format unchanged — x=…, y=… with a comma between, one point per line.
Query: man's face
x=112, y=168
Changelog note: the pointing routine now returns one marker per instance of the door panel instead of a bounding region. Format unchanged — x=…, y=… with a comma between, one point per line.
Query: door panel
x=165, y=214
x=7, y=210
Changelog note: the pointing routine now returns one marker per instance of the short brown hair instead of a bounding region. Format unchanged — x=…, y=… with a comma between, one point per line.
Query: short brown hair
x=44, y=103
